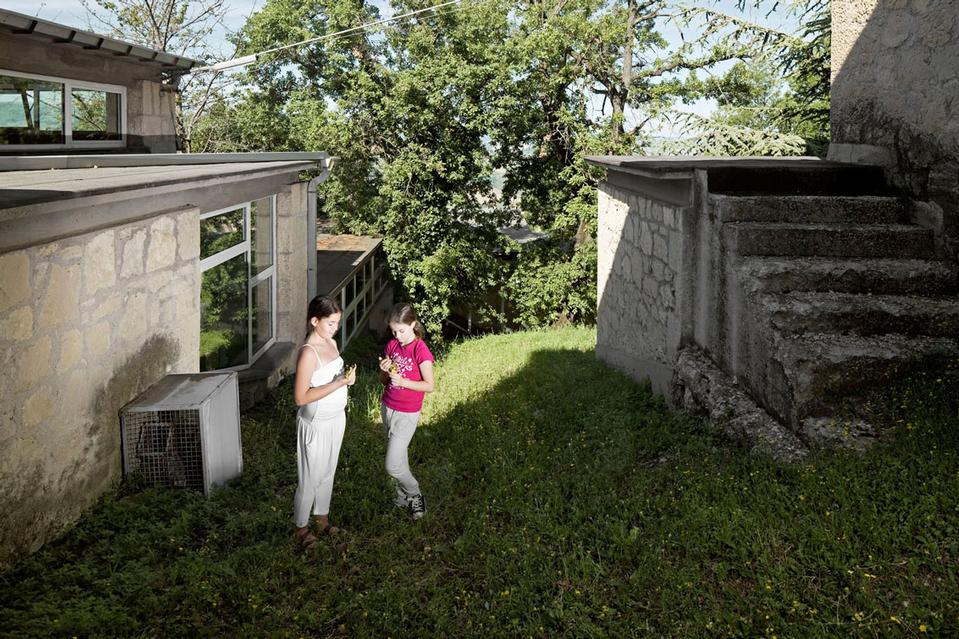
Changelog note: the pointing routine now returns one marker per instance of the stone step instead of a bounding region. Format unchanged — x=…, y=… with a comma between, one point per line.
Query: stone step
x=807, y=209
x=819, y=371
x=851, y=275
x=808, y=178
x=703, y=387
x=798, y=313
x=823, y=240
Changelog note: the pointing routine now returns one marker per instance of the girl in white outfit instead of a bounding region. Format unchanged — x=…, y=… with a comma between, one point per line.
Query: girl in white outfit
x=319, y=389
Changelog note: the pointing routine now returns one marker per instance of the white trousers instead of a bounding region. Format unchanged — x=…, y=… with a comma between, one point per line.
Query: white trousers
x=399, y=428
x=318, y=449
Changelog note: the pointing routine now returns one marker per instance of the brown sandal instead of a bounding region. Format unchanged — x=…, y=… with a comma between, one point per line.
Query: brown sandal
x=305, y=540
x=328, y=529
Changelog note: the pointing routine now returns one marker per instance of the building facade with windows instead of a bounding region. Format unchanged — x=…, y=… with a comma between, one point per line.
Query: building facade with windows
x=64, y=89
x=121, y=262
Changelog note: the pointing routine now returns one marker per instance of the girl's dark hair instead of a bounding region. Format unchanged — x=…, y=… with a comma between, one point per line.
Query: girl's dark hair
x=403, y=313
x=321, y=306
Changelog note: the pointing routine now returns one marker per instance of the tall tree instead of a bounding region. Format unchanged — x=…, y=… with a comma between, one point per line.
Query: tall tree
x=423, y=111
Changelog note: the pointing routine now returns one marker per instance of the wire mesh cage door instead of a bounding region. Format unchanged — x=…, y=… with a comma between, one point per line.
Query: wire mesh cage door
x=164, y=447
x=184, y=432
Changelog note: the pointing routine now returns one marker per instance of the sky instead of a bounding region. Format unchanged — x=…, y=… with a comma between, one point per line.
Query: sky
x=72, y=13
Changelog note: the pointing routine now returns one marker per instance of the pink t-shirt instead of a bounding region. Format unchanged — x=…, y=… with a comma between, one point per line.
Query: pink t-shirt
x=407, y=359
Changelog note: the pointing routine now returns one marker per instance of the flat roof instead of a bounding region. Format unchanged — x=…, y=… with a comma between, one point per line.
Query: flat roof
x=89, y=160
x=337, y=256
x=23, y=188
x=684, y=166
x=20, y=24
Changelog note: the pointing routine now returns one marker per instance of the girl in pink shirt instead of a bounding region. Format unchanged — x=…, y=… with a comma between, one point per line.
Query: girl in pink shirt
x=407, y=374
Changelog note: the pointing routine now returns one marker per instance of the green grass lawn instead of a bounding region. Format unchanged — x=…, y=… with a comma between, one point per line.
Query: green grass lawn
x=564, y=501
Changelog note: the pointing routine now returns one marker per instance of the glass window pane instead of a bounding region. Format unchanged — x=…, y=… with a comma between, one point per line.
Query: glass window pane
x=31, y=111
x=224, y=310
x=361, y=278
x=261, y=234
x=349, y=293
x=220, y=232
x=262, y=313
x=96, y=115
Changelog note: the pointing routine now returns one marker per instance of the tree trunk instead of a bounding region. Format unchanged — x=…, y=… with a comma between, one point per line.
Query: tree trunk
x=619, y=98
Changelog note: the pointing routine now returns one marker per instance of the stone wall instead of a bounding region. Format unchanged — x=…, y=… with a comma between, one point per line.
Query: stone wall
x=895, y=98
x=86, y=324
x=640, y=254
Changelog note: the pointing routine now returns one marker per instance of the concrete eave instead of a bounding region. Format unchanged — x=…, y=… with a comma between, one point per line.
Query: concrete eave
x=89, y=161
x=683, y=167
x=670, y=168
x=340, y=256
x=673, y=180
x=37, y=207
x=665, y=179
x=20, y=24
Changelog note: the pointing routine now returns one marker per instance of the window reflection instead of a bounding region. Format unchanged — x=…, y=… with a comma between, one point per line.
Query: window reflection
x=262, y=314
x=220, y=232
x=261, y=234
x=31, y=111
x=224, y=313
x=96, y=115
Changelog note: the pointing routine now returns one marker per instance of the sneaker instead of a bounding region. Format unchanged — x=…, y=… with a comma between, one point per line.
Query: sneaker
x=401, y=502
x=417, y=506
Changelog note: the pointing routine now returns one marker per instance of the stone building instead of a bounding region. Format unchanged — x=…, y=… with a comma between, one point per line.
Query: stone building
x=51, y=69
x=895, y=99
x=772, y=294
x=121, y=261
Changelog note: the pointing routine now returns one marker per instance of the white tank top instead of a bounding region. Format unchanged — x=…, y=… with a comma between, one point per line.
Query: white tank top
x=332, y=403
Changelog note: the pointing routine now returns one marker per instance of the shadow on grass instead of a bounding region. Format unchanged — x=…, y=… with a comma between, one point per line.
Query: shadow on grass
x=564, y=500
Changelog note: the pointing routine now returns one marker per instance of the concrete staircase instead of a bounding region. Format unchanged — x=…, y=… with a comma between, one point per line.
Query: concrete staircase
x=830, y=290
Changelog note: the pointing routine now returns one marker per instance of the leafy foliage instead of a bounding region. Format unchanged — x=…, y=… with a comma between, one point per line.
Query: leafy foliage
x=778, y=104
x=421, y=112
x=713, y=136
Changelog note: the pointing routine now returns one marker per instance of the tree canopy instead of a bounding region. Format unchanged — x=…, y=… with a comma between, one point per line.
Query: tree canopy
x=425, y=113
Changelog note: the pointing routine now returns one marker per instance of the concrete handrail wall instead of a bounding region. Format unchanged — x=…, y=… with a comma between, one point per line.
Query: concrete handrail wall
x=663, y=280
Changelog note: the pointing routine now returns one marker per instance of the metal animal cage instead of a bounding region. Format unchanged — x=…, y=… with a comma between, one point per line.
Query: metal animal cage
x=184, y=432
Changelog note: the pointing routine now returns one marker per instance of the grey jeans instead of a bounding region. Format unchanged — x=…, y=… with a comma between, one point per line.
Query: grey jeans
x=399, y=428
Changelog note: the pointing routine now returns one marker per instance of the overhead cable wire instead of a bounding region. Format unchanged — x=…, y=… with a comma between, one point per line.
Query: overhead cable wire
x=250, y=59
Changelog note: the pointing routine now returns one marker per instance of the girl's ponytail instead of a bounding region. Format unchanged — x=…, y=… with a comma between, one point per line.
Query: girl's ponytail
x=403, y=313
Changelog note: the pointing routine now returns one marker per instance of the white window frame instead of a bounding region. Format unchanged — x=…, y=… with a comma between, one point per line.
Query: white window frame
x=245, y=247
x=375, y=284
x=68, y=86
